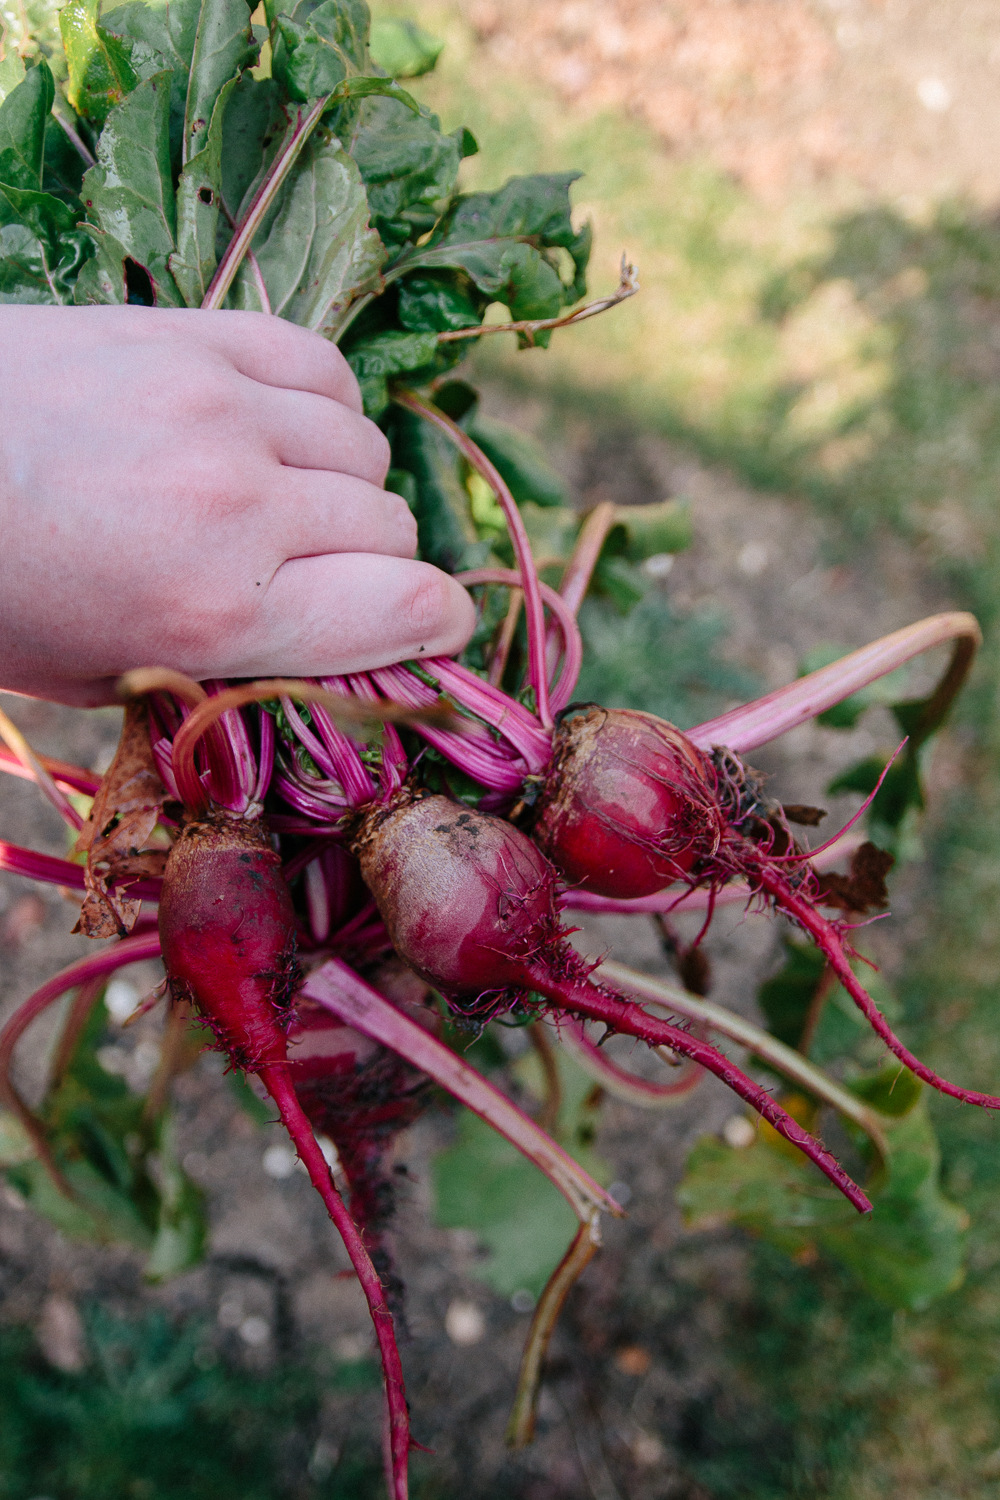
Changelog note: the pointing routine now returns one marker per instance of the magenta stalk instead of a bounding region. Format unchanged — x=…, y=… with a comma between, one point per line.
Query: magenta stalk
x=130, y=950
x=736, y=893
x=757, y=723
x=276, y=1081
x=528, y=580
x=828, y=940
x=583, y=998
x=345, y=994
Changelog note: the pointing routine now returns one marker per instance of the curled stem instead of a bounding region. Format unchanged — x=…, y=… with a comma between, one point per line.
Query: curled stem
x=757, y=723
x=560, y=693
x=548, y=1116
x=528, y=580
x=585, y=1244
x=627, y=287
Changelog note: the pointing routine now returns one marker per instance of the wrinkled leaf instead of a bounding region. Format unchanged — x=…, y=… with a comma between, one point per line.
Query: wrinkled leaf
x=130, y=192
x=23, y=116
x=408, y=167
x=403, y=48
x=41, y=252
x=394, y=352
x=907, y=1253
x=535, y=208
x=437, y=302
x=315, y=250
x=315, y=43
x=124, y=813
x=100, y=68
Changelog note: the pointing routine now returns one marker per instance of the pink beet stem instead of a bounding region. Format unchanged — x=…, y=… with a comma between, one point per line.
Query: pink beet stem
x=42, y=778
x=619, y=1081
x=130, y=950
x=757, y=723
x=736, y=893
x=580, y=568
x=584, y=998
x=528, y=580
x=276, y=1081
x=829, y=942
x=67, y=777
x=572, y=652
x=339, y=990
x=55, y=871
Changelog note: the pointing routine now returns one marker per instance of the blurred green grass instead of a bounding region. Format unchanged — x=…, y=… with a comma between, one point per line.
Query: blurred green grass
x=839, y=349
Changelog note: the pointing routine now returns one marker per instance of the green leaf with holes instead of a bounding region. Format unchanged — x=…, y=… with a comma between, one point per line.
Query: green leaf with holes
x=199, y=191
x=129, y=194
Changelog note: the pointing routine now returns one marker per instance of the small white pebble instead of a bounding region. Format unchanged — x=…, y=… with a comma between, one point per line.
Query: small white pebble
x=121, y=999
x=255, y=1331
x=230, y=1312
x=753, y=559
x=738, y=1132
x=114, y=1060
x=279, y=1161
x=934, y=94
x=464, y=1323
x=351, y=1347
x=659, y=565
x=522, y=1301
x=647, y=1450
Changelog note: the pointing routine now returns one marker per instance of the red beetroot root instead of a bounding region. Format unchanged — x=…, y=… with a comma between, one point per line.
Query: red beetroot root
x=472, y=905
x=227, y=931
x=628, y=804
x=631, y=805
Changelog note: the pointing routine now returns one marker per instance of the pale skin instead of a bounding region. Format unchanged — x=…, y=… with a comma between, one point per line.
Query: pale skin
x=197, y=490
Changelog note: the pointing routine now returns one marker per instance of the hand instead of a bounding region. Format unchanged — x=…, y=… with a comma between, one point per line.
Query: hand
x=197, y=490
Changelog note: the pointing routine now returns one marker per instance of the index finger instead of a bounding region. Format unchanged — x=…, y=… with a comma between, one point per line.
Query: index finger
x=274, y=352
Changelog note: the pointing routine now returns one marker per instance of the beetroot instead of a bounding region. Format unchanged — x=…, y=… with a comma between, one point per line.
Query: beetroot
x=471, y=904
x=628, y=805
x=227, y=931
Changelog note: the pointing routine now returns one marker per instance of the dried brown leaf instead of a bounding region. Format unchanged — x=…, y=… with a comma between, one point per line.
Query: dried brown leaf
x=864, y=889
x=125, y=813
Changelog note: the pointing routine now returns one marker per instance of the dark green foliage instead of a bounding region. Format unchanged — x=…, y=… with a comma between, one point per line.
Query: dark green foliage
x=656, y=659
x=156, y=1416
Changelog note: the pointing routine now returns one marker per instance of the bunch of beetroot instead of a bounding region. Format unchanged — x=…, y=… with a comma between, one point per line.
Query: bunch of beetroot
x=327, y=856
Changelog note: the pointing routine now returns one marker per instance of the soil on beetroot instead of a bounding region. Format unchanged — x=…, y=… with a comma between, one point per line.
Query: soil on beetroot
x=642, y=1394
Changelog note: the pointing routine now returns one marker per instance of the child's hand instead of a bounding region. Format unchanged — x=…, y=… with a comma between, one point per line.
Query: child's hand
x=197, y=490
